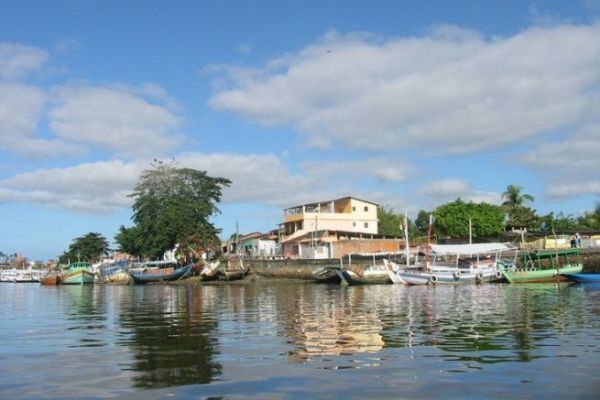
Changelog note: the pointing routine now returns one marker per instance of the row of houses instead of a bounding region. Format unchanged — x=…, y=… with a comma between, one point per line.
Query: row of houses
x=326, y=229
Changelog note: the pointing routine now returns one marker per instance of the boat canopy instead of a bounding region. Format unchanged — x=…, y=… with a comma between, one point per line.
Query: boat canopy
x=464, y=249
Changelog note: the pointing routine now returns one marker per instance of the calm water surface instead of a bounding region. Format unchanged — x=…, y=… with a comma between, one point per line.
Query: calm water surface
x=299, y=340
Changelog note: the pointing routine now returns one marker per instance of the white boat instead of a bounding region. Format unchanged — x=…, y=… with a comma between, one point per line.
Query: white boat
x=458, y=264
x=370, y=274
x=8, y=275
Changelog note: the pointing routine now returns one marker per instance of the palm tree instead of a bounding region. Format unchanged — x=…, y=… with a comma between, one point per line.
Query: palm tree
x=514, y=197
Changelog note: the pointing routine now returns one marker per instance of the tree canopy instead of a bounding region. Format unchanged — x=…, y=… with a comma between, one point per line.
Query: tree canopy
x=514, y=196
x=452, y=219
x=89, y=247
x=172, y=206
x=388, y=222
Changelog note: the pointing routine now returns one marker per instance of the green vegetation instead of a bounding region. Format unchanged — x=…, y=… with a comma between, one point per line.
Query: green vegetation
x=172, y=207
x=452, y=219
x=90, y=247
x=388, y=222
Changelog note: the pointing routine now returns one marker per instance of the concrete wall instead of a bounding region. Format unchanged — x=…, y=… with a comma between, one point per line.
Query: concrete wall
x=342, y=248
x=302, y=268
x=290, y=269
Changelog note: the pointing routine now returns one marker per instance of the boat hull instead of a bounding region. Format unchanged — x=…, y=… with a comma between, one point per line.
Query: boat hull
x=541, y=275
x=77, y=277
x=50, y=280
x=448, y=277
x=583, y=278
x=326, y=275
x=179, y=273
x=352, y=278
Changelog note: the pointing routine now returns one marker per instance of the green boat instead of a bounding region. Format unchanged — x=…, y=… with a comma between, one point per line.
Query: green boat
x=544, y=266
x=77, y=274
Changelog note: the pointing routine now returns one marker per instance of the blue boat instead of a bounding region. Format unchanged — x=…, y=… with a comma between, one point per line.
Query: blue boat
x=161, y=275
x=583, y=278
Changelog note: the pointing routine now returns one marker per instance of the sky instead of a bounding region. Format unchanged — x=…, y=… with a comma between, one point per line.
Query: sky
x=408, y=104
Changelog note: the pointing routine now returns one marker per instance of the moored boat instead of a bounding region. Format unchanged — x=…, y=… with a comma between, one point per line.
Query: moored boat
x=210, y=271
x=161, y=274
x=326, y=274
x=583, y=278
x=471, y=263
x=50, y=279
x=78, y=273
x=234, y=270
x=544, y=266
x=371, y=274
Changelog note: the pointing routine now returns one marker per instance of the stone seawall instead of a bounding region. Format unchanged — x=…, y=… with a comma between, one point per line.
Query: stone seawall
x=591, y=260
x=302, y=268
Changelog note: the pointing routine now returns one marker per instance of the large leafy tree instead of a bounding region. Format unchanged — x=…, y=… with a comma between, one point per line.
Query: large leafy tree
x=90, y=247
x=172, y=206
x=452, y=219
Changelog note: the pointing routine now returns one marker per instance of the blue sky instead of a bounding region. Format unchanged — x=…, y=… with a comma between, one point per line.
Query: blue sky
x=409, y=104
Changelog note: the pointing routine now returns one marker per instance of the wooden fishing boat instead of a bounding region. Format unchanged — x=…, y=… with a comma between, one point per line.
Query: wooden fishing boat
x=326, y=274
x=544, y=266
x=371, y=274
x=51, y=279
x=456, y=264
x=234, y=270
x=583, y=278
x=77, y=274
x=210, y=271
x=161, y=274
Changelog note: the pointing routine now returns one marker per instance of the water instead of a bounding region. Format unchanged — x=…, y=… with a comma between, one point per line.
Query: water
x=272, y=340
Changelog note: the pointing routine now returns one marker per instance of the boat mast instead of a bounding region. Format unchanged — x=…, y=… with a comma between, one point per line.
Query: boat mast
x=406, y=245
x=428, y=241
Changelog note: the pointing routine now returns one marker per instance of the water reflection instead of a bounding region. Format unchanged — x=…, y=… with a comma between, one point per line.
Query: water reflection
x=329, y=325
x=275, y=339
x=172, y=342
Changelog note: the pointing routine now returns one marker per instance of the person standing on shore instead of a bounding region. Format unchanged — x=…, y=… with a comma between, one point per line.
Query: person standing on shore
x=573, y=241
x=577, y=240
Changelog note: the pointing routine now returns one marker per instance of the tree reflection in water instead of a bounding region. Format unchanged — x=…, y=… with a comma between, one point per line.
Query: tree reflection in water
x=173, y=341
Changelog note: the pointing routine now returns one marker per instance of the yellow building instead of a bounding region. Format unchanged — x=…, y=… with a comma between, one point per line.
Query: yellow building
x=347, y=214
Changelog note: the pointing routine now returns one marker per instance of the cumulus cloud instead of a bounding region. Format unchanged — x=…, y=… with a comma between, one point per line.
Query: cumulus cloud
x=445, y=190
x=21, y=108
x=452, y=91
x=102, y=187
x=382, y=169
x=115, y=118
x=17, y=60
x=99, y=187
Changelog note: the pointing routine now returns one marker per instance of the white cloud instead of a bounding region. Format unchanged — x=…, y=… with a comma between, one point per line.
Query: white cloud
x=566, y=189
x=17, y=60
x=451, y=91
x=99, y=187
x=102, y=187
x=115, y=119
x=21, y=108
x=382, y=169
x=444, y=190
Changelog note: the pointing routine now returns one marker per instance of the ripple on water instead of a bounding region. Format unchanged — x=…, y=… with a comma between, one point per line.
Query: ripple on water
x=285, y=339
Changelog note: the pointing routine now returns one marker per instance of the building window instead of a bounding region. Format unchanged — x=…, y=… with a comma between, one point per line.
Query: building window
x=354, y=224
x=353, y=208
x=366, y=208
x=366, y=224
